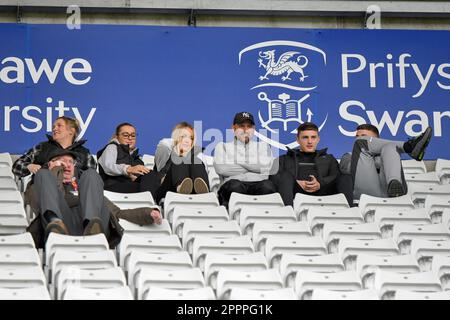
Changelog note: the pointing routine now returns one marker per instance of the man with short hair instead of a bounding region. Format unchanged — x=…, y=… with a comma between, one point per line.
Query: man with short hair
x=375, y=164
x=243, y=164
x=306, y=170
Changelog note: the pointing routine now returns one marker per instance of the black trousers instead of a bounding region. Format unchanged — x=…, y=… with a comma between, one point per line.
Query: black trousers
x=252, y=188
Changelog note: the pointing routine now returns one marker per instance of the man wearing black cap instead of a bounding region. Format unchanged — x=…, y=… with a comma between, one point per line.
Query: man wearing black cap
x=243, y=164
x=69, y=206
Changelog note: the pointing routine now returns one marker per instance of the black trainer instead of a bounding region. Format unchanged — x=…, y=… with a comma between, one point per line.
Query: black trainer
x=395, y=189
x=415, y=147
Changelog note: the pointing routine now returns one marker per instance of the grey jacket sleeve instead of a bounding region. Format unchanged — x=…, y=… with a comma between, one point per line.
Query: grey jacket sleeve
x=346, y=163
x=163, y=152
x=108, y=162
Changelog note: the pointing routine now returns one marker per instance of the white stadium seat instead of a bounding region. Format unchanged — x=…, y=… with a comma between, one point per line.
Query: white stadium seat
x=412, y=295
x=424, y=179
x=10, y=197
x=443, y=170
x=17, y=242
x=57, y=241
x=425, y=250
x=13, y=211
x=182, y=214
x=368, y=205
x=249, y=215
x=12, y=259
x=333, y=232
x=88, y=278
x=7, y=181
x=12, y=225
x=317, y=217
x=304, y=202
x=115, y=293
x=435, y=206
x=253, y=294
x=386, y=283
x=412, y=166
x=367, y=265
x=170, y=279
x=403, y=234
x=236, y=245
x=5, y=160
x=22, y=278
x=157, y=293
x=441, y=268
x=259, y=280
x=197, y=201
x=306, y=282
x=263, y=230
x=32, y=293
x=445, y=218
x=242, y=262
x=387, y=218
x=130, y=200
x=149, y=161
x=291, y=263
x=349, y=249
x=193, y=229
x=238, y=201
x=149, y=231
x=419, y=193
x=322, y=294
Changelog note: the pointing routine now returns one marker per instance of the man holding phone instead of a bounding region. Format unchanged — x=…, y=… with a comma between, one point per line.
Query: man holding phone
x=306, y=169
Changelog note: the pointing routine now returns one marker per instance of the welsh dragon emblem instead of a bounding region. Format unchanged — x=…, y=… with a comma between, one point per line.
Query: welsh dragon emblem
x=283, y=65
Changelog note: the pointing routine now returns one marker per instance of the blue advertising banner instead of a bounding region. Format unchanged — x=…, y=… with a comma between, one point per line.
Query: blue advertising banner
x=155, y=77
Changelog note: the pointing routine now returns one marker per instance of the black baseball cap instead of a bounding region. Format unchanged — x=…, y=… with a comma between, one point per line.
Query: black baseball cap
x=241, y=117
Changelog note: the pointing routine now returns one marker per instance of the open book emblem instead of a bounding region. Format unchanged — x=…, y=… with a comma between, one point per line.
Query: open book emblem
x=284, y=109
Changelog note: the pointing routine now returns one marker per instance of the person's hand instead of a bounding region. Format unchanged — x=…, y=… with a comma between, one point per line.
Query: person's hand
x=309, y=186
x=132, y=177
x=156, y=215
x=33, y=168
x=137, y=170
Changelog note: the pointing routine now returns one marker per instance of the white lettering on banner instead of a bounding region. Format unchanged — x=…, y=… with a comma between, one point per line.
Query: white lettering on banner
x=412, y=126
x=422, y=74
x=32, y=116
x=13, y=70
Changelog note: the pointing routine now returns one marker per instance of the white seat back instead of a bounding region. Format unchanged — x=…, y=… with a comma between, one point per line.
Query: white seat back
x=130, y=200
x=238, y=201
x=333, y=232
x=368, y=205
x=182, y=214
x=157, y=293
x=304, y=202
x=263, y=230
x=173, y=199
x=254, y=294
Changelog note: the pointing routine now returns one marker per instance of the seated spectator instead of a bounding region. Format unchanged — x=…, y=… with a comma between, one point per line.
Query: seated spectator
x=67, y=205
x=120, y=166
x=243, y=164
x=178, y=164
x=306, y=170
x=375, y=164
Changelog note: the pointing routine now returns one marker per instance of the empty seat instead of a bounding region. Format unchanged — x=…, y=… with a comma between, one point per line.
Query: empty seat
x=260, y=280
x=435, y=206
x=13, y=259
x=425, y=250
x=441, y=268
x=202, y=246
x=5, y=160
x=349, y=249
x=7, y=181
x=80, y=293
x=368, y=205
x=443, y=170
x=170, y=279
x=445, y=218
x=182, y=214
x=157, y=293
x=367, y=265
x=333, y=232
x=249, y=215
x=317, y=217
x=304, y=202
x=173, y=199
x=57, y=241
x=403, y=234
x=386, y=283
x=418, y=193
x=10, y=197
x=88, y=278
x=412, y=295
x=130, y=243
x=130, y=200
x=276, y=247
x=322, y=294
x=159, y=261
x=194, y=229
x=263, y=230
x=242, y=262
x=12, y=225
x=17, y=242
x=254, y=294
x=424, y=179
x=32, y=293
x=387, y=218
x=291, y=263
x=84, y=260
x=149, y=231
x=239, y=200
x=22, y=278
x=307, y=281
x=412, y=166
x=13, y=211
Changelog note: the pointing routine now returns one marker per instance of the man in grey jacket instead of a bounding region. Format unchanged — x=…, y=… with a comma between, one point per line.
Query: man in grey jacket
x=243, y=164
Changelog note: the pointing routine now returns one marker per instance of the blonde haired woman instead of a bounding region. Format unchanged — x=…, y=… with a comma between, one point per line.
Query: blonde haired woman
x=177, y=162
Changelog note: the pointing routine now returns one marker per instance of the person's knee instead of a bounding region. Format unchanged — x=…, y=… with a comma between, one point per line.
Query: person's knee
x=267, y=187
x=42, y=176
x=91, y=175
x=234, y=186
